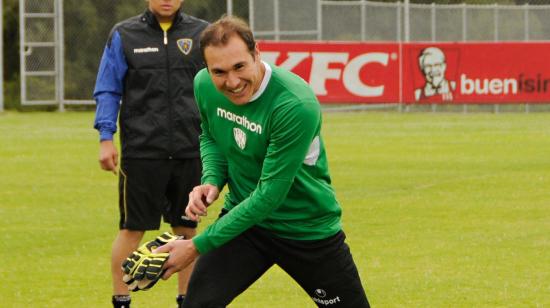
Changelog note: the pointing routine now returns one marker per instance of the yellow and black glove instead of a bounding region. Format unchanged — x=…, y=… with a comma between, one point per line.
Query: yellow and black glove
x=142, y=269
x=162, y=239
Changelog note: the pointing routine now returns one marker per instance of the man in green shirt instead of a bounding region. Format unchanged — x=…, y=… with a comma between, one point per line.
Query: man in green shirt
x=261, y=137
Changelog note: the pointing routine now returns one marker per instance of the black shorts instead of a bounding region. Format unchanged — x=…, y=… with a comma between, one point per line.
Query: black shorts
x=149, y=189
x=323, y=268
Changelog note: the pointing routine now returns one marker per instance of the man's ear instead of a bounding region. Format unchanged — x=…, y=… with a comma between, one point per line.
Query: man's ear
x=256, y=52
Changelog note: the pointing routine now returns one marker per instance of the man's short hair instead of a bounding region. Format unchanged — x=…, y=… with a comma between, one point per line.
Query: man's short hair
x=219, y=33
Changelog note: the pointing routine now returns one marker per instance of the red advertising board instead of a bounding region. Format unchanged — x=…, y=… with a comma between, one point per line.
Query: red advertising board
x=341, y=72
x=471, y=73
x=476, y=73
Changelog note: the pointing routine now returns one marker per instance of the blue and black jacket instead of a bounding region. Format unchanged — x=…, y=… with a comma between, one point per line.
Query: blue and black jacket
x=147, y=74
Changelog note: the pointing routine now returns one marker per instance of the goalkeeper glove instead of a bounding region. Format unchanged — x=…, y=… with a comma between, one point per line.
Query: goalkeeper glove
x=142, y=268
x=143, y=271
x=162, y=239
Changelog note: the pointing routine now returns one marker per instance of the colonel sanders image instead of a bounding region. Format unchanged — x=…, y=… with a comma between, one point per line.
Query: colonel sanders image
x=433, y=66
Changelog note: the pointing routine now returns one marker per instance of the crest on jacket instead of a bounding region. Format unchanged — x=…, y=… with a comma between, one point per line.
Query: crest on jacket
x=185, y=45
x=240, y=137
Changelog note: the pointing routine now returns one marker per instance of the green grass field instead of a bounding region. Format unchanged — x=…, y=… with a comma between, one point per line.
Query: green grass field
x=441, y=210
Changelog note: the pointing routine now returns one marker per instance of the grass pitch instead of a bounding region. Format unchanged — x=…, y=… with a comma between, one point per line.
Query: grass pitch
x=440, y=210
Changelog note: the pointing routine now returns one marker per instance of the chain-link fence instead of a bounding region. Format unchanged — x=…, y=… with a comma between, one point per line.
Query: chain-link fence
x=62, y=40
x=361, y=20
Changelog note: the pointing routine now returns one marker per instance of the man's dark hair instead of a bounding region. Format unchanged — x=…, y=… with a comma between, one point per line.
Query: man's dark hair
x=219, y=33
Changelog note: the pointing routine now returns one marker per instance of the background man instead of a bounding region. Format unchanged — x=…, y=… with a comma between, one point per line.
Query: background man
x=149, y=63
x=261, y=130
x=433, y=66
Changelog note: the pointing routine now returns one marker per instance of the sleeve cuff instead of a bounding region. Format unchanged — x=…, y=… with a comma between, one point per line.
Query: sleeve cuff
x=210, y=179
x=202, y=243
x=105, y=136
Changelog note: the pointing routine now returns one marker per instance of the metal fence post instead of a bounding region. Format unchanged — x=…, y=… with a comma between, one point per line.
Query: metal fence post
x=251, y=14
x=363, y=20
x=407, y=21
x=433, y=34
x=497, y=106
x=22, y=51
x=1, y=57
x=407, y=25
x=319, y=20
x=402, y=7
x=526, y=20
x=60, y=55
x=496, y=21
x=433, y=22
x=229, y=7
x=399, y=34
x=276, y=20
x=464, y=38
x=464, y=23
x=526, y=34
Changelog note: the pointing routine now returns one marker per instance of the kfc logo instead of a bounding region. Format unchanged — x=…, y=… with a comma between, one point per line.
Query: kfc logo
x=323, y=69
x=433, y=66
x=341, y=72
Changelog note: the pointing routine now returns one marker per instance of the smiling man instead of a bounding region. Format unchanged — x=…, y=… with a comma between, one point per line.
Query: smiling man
x=261, y=136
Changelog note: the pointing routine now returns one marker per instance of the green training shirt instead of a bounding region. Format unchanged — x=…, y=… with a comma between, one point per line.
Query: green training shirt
x=271, y=155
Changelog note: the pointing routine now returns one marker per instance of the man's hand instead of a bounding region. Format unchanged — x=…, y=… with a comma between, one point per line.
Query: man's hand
x=199, y=199
x=108, y=156
x=182, y=254
x=160, y=240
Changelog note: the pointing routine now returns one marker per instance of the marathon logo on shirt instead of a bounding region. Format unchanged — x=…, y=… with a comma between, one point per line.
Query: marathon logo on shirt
x=146, y=50
x=241, y=120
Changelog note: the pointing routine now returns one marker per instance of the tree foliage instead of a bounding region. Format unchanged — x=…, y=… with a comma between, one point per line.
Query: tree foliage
x=11, y=38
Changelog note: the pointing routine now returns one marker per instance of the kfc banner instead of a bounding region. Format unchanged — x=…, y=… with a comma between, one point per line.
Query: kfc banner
x=341, y=72
x=474, y=73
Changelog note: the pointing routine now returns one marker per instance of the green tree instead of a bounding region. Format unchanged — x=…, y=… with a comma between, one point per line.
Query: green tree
x=11, y=52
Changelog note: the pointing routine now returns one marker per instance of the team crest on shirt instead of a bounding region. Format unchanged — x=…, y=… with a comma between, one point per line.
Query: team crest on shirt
x=185, y=45
x=240, y=137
